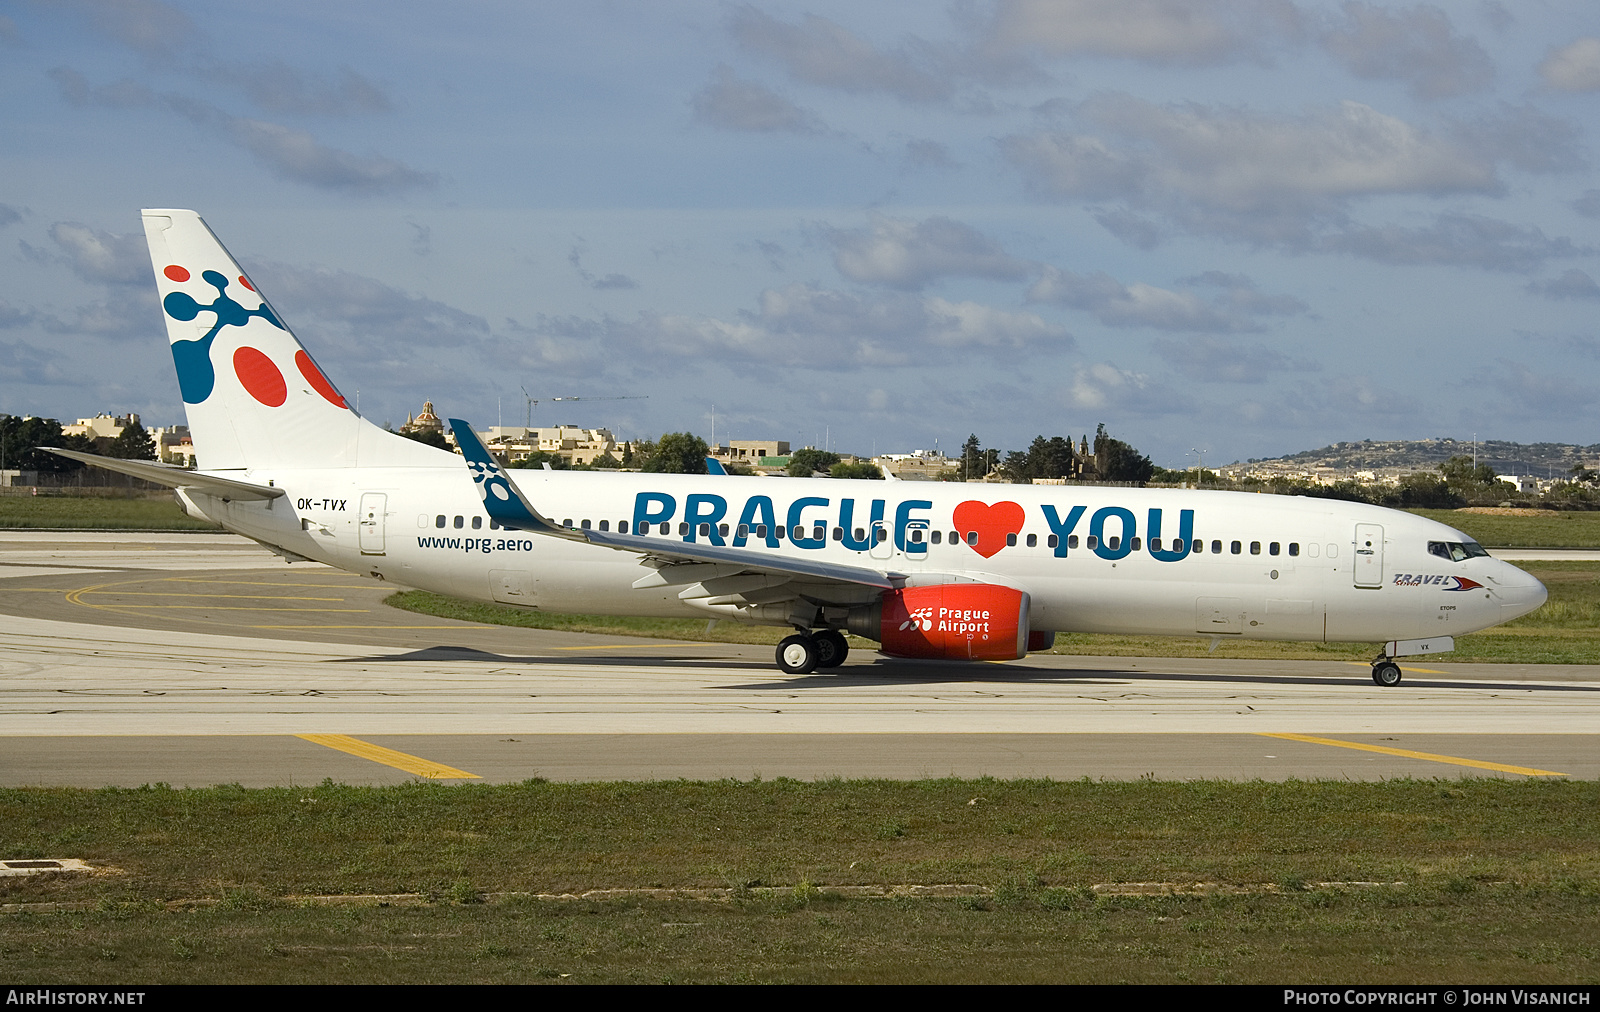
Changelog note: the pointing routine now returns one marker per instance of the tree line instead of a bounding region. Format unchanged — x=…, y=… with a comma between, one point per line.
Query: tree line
x=22, y=438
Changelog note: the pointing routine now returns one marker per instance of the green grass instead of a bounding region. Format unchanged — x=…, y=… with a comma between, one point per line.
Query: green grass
x=58, y=512
x=1550, y=529
x=1497, y=880
x=1565, y=631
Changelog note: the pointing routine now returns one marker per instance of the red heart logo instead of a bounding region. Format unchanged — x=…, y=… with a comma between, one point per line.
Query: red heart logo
x=992, y=523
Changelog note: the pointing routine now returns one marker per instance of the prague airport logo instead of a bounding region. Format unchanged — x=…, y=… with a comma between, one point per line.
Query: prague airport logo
x=258, y=374
x=922, y=619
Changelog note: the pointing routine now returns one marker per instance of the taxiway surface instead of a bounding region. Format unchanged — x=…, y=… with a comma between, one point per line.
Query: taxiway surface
x=198, y=659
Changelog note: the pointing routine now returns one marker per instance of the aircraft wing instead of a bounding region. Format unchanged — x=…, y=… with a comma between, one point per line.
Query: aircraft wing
x=174, y=477
x=504, y=502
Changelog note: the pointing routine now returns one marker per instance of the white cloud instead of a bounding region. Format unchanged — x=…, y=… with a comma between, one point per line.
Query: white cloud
x=1104, y=387
x=1220, y=361
x=1167, y=32
x=1459, y=240
x=730, y=102
x=909, y=254
x=104, y=257
x=1525, y=137
x=1574, y=284
x=279, y=88
x=1235, y=309
x=297, y=156
x=1416, y=44
x=821, y=52
x=1230, y=171
x=1573, y=67
x=807, y=327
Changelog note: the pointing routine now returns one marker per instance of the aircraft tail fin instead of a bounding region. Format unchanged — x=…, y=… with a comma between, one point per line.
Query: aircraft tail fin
x=253, y=394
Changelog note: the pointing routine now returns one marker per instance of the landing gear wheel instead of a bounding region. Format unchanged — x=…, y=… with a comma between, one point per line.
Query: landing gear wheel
x=832, y=648
x=798, y=655
x=1386, y=674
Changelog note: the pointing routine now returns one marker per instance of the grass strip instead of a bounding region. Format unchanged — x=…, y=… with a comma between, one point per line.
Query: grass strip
x=1550, y=529
x=83, y=513
x=1484, y=880
x=1566, y=630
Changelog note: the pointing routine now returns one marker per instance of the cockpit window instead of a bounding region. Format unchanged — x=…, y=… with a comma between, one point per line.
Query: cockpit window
x=1457, y=551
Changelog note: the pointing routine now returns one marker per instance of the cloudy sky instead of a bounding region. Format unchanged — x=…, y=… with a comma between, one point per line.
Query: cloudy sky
x=1251, y=227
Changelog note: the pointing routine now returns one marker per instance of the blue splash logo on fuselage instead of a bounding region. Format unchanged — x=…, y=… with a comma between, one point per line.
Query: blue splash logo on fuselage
x=196, y=375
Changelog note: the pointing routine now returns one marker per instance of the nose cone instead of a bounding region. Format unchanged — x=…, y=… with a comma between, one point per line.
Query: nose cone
x=1519, y=593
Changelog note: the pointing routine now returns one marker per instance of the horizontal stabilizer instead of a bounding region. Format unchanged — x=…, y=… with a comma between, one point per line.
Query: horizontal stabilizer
x=174, y=477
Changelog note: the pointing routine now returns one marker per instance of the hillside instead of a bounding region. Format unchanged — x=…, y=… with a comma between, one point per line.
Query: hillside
x=1540, y=459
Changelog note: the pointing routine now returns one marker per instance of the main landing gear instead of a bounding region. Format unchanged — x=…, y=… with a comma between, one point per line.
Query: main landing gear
x=805, y=652
x=1386, y=672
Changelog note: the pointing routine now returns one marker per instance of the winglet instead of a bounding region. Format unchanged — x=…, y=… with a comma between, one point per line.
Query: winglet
x=714, y=466
x=502, y=500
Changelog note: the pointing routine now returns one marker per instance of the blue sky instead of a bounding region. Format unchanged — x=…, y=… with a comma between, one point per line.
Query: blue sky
x=1251, y=227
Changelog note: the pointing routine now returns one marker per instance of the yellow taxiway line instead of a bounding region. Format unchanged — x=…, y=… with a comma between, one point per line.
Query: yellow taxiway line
x=1407, y=754
x=389, y=757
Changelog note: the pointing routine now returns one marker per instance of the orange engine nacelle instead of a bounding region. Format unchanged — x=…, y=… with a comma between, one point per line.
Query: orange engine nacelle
x=958, y=621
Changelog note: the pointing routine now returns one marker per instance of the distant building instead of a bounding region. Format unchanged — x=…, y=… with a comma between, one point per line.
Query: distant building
x=101, y=426
x=577, y=446
x=427, y=421
x=918, y=465
x=173, y=445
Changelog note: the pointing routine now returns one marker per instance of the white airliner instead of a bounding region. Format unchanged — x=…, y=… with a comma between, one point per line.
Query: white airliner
x=928, y=570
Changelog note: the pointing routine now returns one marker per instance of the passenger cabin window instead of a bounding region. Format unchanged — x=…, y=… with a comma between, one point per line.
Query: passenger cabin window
x=1091, y=542
x=883, y=535
x=683, y=528
x=722, y=529
x=1255, y=548
x=1216, y=548
x=565, y=523
x=460, y=522
x=972, y=537
x=1072, y=541
x=1112, y=543
x=954, y=537
x=1235, y=548
x=605, y=525
x=1033, y=540
x=1294, y=548
x=1011, y=539
x=916, y=536
x=477, y=523
x=438, y=521
x=937, y=537
x=761, y=530
x=1272, y=549
x=585, y=525
x=1136, y=544
x=1198, y=546
x=1052, y=541
x=705, y=530
x=1155, y=544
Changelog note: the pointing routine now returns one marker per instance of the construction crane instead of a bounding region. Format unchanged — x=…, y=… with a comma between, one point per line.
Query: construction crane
x=532, y=400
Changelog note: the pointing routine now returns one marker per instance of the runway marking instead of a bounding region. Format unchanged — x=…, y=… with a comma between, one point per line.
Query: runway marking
x=248, y=597
x=376, y=627
x=624, y=646
x=389, y=757
x=1420, y=671
x=1406, y=753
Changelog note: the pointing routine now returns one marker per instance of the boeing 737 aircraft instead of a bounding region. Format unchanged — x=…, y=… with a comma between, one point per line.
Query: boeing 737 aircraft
x=927, y=570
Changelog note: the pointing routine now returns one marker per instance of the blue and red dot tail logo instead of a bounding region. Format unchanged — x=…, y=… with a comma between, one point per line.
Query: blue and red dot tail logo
x=256, y=371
